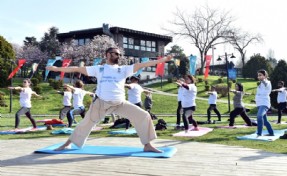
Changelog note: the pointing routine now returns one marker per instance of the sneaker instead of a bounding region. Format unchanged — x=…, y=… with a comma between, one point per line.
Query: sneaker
x=283, y=137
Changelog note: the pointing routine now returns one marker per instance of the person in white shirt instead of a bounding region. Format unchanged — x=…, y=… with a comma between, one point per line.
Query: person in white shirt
x=67, y=97
x=179, y=106
x=188, y=101
x=110, y=98
x=78, y=101
x=134, y=94
x=281, y=99
x=25, y=102
x=262, y=99
x=212, y=104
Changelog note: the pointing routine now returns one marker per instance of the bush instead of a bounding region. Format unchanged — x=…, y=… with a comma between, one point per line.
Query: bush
x=207, y=87
x=57, y=84
x=51, y=81
x=222, y=89
x=35, y=82
x=230, y=84
x=37, y=89
x=206, y=82
x=200, y=80
x=220, y=80
x=2, y=100
x=39, y=77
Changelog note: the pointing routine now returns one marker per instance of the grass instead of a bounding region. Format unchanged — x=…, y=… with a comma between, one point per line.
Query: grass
x=51, y=103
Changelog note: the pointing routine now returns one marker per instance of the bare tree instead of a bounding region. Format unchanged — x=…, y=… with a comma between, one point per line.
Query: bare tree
x=241, y=39
x=205, y=28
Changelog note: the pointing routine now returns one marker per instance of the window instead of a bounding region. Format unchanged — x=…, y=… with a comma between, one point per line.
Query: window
x=87, y=40
x=81, y=42
x=137, y=44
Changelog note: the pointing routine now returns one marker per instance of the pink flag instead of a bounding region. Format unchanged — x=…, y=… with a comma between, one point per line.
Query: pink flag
x=207, y=59
x=21, y=62
x=66, y=63
x=159, y=68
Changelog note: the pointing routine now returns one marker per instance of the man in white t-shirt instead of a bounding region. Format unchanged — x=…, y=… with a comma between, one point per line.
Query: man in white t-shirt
x=110, y=98
x=281, y=99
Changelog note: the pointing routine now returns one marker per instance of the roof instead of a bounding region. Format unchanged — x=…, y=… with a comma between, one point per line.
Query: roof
x=114, y=30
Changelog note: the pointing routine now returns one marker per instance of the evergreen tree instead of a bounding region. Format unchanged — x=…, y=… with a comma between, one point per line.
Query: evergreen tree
x=255, y=63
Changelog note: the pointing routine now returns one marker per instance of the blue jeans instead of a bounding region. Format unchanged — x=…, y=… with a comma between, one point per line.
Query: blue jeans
x=262, y=120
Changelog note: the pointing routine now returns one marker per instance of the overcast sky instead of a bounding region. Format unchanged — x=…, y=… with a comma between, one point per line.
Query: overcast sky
x=19, y=18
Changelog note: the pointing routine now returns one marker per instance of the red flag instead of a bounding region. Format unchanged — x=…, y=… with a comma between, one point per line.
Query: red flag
x=21, y=62
x=159, y=68
x=207, y=59
x=66, y=63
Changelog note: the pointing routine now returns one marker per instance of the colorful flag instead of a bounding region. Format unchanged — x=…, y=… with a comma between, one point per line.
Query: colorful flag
x=208, y=60
x=192, y=65
x=66, y=63
x=143, y=60
x=97, y=61
x=49, y=63
x=159, y=68
x=21, y=62
x=232, y=73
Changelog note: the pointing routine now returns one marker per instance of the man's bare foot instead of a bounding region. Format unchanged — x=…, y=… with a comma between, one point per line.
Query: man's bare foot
x=67, y=145
x=149, y=148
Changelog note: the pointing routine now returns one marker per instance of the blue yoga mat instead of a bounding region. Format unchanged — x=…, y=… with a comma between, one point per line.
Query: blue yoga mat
x=24, y=130
x=277, y=134
x=128, y=131
x=63, y=131
x=110, y=150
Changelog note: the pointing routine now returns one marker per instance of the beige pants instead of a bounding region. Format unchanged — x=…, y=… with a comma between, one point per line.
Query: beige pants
x=99, y=108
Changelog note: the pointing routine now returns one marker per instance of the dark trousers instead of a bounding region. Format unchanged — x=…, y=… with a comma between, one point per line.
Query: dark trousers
x=242, y=113
x=25, y=111
x=77, y=111
x=213, y=107
x=63, y=112
x=179, y=107
x=188, y=118
x=281, y=107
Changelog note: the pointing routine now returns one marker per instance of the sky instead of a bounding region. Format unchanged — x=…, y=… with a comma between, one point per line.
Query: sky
x=20, y=19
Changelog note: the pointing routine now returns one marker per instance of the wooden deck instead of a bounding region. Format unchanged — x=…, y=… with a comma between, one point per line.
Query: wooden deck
x=192, y=158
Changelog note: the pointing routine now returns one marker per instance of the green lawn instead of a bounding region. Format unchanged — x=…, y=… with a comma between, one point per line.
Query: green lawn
x=51, y=103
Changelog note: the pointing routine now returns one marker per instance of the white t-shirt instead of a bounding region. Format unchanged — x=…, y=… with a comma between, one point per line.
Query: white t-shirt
x=262, y=97
x=134, y=93
x=281, y=97
x=111, y=80
x=78, y=97
x=188, y=96
x=25, y=97
x=212, y=97
x=67, y=98
x=179, y=93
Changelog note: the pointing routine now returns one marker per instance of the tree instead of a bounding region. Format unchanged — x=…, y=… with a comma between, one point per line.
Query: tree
x=31, y=41
x=241, y=39
x=183, y=68
x=205, y=28
x=255, y=63
x=279, y=74
x=7, y=57
x=94, y=49
x=178, y=53
x=50, y=43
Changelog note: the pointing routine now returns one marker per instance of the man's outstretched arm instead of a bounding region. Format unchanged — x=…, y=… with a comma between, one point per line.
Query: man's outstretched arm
x=81, y=70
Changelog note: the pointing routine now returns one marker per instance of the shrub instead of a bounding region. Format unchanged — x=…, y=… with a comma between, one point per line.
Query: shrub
x=207, y=87
x=2, y=100
x=57, y=84
x=230, y=84
x=220, y=80
x=222, y=89
x=35, y=82
x=200, y=80
x=206, y=82
x=37, y=89
x=51, y=81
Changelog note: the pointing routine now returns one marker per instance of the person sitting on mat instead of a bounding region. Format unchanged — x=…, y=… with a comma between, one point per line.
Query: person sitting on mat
x=25, y=102
x=212, y=104
x=78, y=101
x=67, y=97
x=281, y=99
x=188, y=101
x=239, y=108
x=110, y=98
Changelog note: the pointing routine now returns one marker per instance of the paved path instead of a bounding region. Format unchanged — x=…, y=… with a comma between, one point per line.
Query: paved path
x=192, y=158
